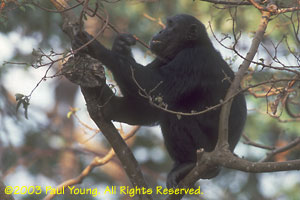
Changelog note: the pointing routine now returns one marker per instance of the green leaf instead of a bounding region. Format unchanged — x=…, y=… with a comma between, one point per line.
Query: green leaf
x=69, y=114
x=25, y=106
x=19, y=96
x=18, y=105
x=24, y=100
x=22, y=8
x=31, y=6
x=66, y=53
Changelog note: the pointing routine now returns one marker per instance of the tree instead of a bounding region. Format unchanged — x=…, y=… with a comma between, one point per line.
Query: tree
x=271, y=79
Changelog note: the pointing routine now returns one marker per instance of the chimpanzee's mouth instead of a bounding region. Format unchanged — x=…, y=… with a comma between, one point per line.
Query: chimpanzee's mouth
x=156, y=41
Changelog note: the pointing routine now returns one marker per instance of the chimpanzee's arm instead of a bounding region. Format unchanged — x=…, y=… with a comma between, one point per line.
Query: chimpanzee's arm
x=95, y=49
x=127, y=110
x=132, y=108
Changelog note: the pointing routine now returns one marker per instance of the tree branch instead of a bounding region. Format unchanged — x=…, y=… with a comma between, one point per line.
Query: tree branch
x=227, y=159
x=281, y=5
x=97, y=161
x=229, y=2
x=91, y=95
x=224, y=115
x=289, y=146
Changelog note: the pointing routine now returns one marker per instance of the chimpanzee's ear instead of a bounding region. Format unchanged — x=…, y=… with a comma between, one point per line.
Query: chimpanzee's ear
x=192, y=32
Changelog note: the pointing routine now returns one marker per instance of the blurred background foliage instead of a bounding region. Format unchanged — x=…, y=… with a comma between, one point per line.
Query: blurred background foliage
x=49, y=147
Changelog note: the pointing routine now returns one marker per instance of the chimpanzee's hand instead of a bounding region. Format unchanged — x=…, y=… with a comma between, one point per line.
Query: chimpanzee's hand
x=122, y=44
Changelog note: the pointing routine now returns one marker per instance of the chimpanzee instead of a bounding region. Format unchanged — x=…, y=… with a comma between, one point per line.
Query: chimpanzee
x=188, y=75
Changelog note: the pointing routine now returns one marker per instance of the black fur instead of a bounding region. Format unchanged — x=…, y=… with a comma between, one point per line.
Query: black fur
x=187, y=75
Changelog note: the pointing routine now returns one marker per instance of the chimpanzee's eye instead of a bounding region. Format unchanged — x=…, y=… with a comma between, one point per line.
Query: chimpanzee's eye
x=170, y=22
